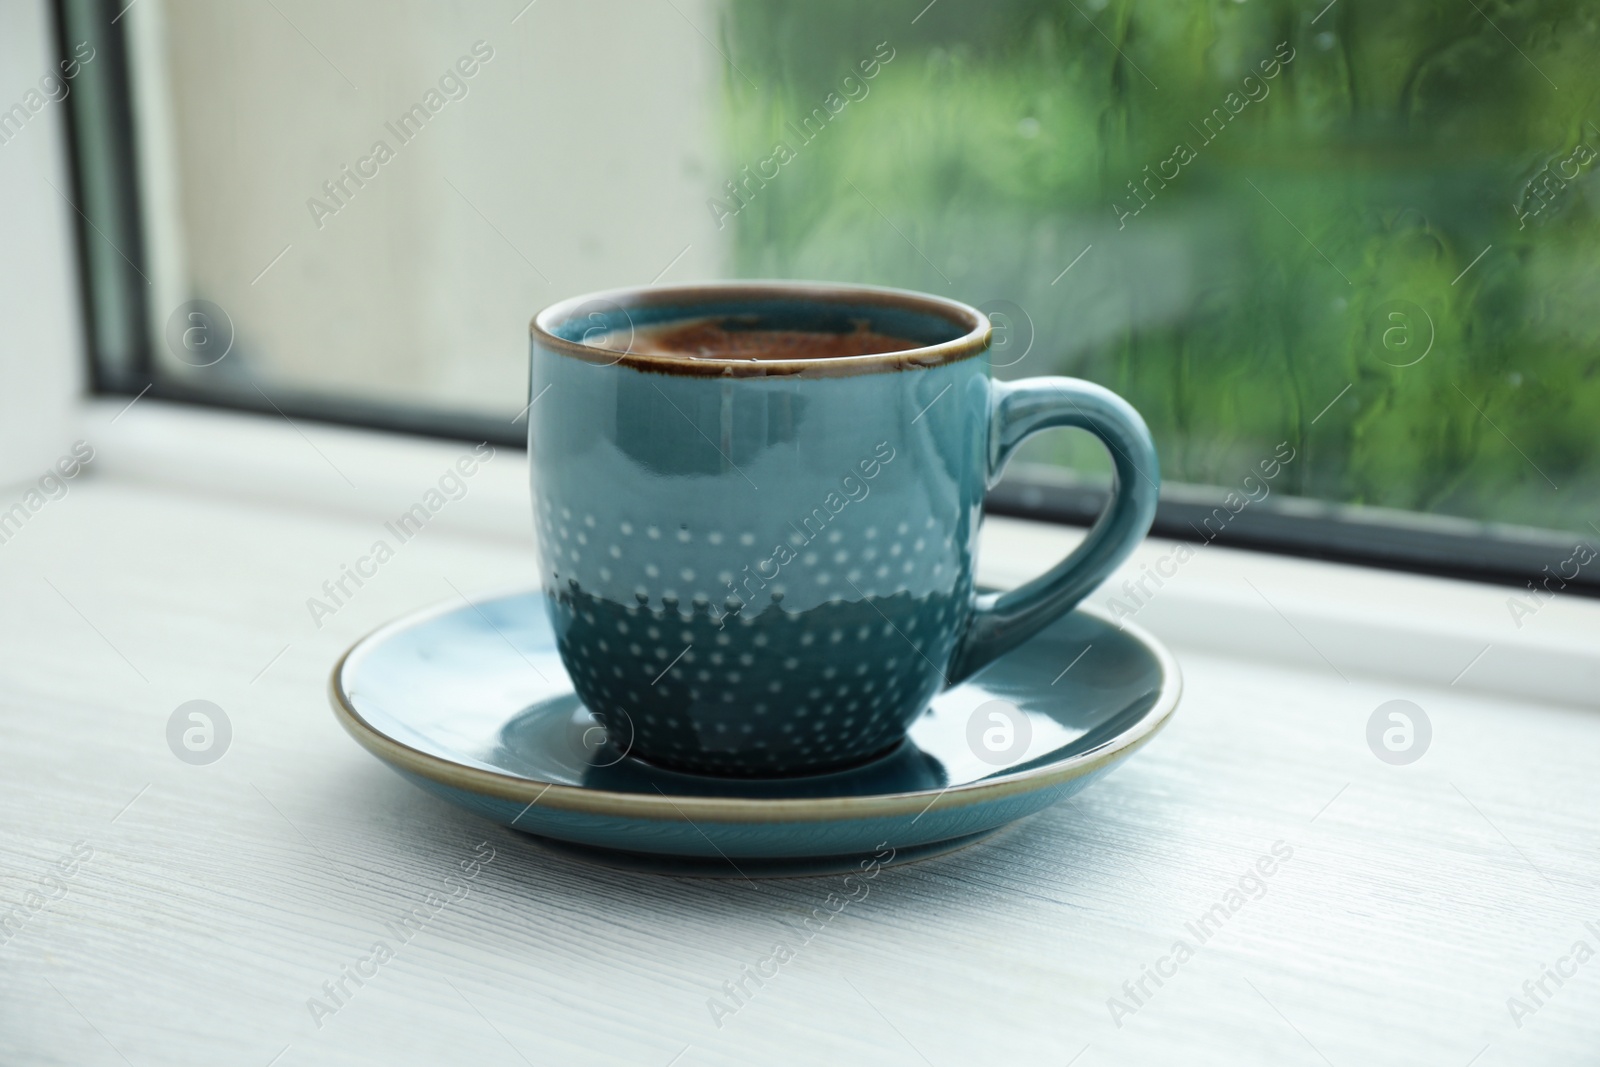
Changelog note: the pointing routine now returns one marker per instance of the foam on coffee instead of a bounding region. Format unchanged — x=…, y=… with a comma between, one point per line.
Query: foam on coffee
x=740, y=338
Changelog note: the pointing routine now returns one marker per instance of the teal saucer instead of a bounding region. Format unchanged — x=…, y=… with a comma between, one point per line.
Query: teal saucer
x=470, y=702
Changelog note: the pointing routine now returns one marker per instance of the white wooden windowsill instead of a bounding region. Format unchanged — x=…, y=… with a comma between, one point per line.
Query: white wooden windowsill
x=217, y=900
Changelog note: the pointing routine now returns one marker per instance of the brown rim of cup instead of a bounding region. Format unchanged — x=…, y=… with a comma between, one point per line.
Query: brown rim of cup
x=973, y=340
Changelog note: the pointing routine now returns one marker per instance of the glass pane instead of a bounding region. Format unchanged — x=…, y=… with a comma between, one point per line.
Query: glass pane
x=1360, y=235
x=379, y=196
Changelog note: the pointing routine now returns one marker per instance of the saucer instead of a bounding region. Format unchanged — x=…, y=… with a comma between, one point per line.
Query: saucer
x=470, y=701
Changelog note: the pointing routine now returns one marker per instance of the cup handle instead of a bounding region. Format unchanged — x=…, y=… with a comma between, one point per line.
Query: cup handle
x=1018, y=410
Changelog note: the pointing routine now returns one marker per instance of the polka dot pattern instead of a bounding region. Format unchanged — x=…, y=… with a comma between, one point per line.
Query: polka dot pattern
x=729, y=569
x=760, y=580
x=739, y=694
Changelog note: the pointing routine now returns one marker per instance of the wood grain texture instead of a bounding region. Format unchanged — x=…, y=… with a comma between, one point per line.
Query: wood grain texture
x=1416, y=901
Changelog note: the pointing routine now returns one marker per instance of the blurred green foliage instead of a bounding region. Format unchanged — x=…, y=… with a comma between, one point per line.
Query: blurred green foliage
x=1330, y=232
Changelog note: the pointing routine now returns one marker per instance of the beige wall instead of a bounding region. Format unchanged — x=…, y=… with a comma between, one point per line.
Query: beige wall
x=588, y=141
x=41, y=341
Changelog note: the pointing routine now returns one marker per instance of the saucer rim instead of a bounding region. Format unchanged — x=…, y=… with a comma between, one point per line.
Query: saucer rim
x=584, y=800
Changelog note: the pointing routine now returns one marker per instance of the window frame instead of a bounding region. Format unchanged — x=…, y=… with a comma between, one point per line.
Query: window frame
x=102, y=156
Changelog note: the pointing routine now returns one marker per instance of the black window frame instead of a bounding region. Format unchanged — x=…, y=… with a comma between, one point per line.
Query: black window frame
x=102, y=152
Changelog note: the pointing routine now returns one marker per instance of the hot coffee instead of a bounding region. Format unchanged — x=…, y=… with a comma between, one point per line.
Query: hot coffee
x=739, y=581
x=746, y=338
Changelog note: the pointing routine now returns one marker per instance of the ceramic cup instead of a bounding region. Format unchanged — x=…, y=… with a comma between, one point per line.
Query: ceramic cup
x=765, y=567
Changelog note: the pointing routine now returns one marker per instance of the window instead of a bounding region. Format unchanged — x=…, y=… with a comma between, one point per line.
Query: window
x=1342, y=257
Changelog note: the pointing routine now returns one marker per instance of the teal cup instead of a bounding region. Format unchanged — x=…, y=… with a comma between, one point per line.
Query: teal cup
x=764, y=566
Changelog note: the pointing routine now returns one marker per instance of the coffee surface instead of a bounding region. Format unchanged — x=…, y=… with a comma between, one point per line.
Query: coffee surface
x=732, y=338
